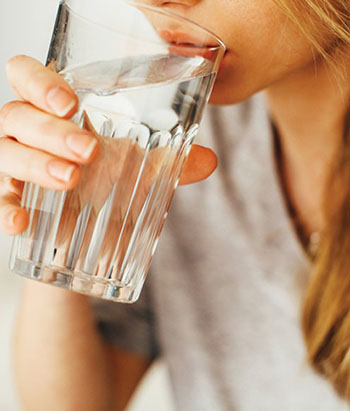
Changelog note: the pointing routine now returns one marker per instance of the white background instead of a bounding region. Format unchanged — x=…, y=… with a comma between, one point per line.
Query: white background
x=25, y=28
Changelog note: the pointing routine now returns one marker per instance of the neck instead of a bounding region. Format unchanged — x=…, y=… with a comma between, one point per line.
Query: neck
x=309, y=109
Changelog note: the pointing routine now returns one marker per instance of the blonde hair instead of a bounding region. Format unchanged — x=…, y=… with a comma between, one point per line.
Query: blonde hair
x=320, y=21
x=326, y=310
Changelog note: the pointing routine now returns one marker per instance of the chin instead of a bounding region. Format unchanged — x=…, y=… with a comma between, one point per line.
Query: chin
x=224, y=94
x=233, y=87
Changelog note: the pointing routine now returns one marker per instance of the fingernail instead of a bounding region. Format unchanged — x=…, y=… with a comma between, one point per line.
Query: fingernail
x=60, y=171
x=81, y=144
x=60, y=101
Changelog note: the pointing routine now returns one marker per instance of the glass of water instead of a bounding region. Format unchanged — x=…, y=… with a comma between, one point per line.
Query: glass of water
x=143, y=77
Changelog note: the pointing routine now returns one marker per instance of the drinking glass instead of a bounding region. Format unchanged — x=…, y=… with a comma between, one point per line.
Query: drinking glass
x=143, y=77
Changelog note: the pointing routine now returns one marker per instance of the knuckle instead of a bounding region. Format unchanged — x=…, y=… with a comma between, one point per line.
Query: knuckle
x=5, y=180
x=43, y=76
x=32, y=164
x=47, y=125
x=5, y=141
x=3, y=185
x=14, y=61
x=5, y=113
x=35, y=82
x=5, y=144
x=5, y=153
x=10, y=185
x=41, y=82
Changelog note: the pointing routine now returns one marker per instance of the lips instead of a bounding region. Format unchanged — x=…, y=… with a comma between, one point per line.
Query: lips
x=182, y=38
x=187, y=45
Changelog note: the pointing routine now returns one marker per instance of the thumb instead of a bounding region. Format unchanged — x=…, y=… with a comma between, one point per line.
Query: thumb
x=200, y=164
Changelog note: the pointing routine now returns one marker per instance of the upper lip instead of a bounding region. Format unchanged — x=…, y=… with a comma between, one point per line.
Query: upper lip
x=183, y=39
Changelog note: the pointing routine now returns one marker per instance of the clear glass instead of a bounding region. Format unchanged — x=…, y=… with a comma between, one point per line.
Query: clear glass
x=143, y=77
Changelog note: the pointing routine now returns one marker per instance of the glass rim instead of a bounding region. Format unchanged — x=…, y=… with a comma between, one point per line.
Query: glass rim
x=168, y=13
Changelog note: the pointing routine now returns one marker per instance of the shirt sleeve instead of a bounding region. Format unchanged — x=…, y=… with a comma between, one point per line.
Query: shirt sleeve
x=129, y=326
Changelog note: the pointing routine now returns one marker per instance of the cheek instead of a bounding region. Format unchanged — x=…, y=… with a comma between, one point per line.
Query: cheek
x=263, y=47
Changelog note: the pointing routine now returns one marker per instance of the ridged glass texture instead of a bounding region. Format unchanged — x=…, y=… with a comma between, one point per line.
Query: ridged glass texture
x=141, y=94
x=99, y=238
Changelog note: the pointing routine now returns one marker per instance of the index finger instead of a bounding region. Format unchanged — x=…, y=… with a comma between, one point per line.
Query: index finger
x=43, y=88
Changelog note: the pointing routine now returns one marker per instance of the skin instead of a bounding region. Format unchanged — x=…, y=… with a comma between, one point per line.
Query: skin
x=265, y=52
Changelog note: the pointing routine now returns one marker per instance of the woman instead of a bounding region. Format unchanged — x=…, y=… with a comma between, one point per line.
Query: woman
x=270, y=230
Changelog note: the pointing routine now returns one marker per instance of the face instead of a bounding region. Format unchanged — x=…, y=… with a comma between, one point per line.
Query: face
x=263, y=46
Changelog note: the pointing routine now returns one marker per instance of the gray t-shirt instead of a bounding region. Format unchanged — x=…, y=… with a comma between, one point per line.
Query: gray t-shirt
x=222, y=303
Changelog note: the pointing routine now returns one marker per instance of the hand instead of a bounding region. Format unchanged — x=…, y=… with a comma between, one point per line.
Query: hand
x=42, y=146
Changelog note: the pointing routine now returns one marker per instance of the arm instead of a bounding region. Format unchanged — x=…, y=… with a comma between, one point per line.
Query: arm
x=61, y=363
